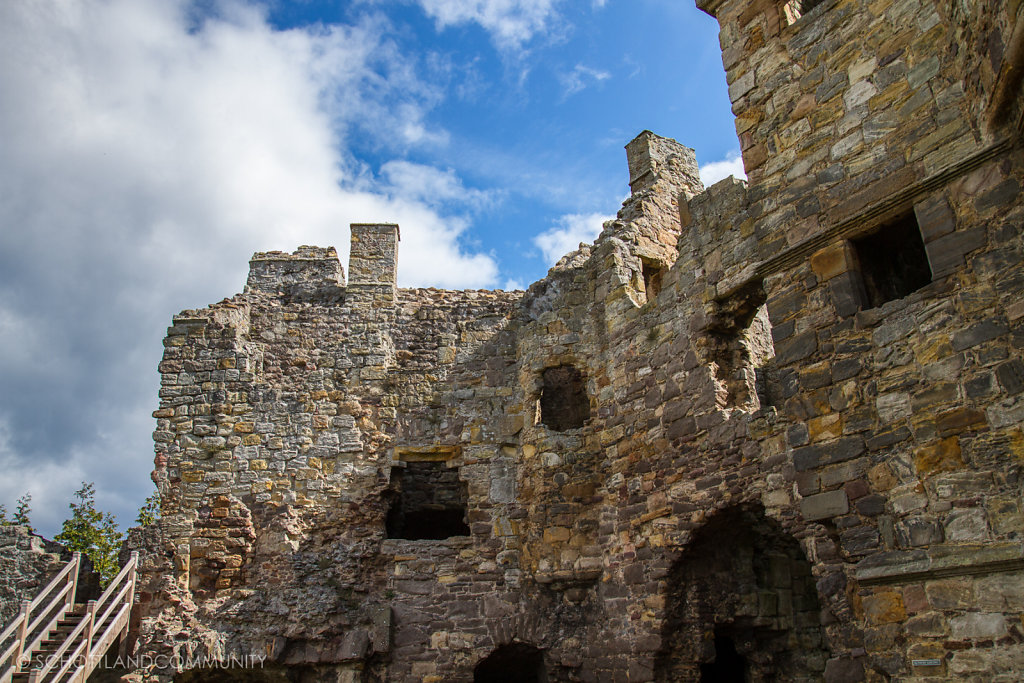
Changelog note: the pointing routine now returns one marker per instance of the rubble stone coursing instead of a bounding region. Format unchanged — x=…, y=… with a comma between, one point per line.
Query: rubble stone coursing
x=27, y=564
x=772, y=472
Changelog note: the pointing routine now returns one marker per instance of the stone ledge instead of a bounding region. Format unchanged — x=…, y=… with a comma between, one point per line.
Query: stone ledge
x=939, y=562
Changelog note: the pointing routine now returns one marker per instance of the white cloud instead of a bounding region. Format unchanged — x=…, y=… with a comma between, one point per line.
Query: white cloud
x=511, y=23
x=580, y=78
x=714, y=171
x=567, y=234
x=512, y=285
x=432, y=186
x=143, y=158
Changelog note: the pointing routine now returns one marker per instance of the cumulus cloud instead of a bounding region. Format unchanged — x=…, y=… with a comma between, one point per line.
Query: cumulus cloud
x=511, y=23
x=567, y=234
x=580, y=78
x=431, y=185
x=714, y=171
x=144, y=155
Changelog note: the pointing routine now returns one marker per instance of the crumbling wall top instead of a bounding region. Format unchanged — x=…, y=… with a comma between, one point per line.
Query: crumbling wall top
x=653, y=158
x=305, y=273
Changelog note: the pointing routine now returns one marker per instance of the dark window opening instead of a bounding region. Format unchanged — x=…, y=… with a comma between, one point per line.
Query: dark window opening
x=805, y=6
x=428, y=502
x=564, y=403
x=893, y=261
x=738, y=346
x=653, y=272
x=728, y=666
x=512, y=663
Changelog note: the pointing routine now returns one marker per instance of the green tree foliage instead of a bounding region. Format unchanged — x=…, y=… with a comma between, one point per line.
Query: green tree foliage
x=92, y=532
x=22, y=511
x=20, y=514
x=149, y=513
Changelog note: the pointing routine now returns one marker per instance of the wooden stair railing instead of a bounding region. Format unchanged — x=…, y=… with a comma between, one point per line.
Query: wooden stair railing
x=75, y=639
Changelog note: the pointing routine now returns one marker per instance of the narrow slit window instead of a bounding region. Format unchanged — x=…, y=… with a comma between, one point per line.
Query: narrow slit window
x=428, y=502
x=653, y=273
x=893, y=261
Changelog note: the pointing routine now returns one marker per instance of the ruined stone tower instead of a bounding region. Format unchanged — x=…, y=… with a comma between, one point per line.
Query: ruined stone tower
x=768, y=430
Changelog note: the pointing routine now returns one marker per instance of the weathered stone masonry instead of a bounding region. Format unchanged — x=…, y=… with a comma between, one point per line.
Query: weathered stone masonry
x=771, y=427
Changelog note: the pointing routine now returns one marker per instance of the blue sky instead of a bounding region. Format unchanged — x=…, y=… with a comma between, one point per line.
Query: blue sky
x=149, y=147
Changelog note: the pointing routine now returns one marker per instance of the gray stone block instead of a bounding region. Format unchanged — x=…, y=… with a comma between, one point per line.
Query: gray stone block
x=824, y=505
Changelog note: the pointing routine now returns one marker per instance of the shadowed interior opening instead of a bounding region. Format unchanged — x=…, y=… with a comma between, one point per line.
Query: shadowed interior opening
x=728, y=666
x=564, y=403
x=893, y=261
x=428, y=502
x=512, y=663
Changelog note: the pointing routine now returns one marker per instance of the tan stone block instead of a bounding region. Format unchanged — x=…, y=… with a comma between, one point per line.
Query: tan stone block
x=556, y=534
x=825, y=427
x=245, y=427
x=884, y=608
x=193, y=477
x=252, y=440
x=932, y=350
x=942, y=456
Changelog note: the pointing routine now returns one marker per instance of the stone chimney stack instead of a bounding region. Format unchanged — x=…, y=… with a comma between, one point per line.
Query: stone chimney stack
x=373, y=258
x=656, y=160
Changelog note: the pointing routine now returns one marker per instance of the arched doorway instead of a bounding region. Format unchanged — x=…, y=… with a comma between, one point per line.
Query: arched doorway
x=512, y=663
x=742, y=606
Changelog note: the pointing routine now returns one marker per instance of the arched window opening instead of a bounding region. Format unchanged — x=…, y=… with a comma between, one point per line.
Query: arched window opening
x=512, y=663
x=745, y=580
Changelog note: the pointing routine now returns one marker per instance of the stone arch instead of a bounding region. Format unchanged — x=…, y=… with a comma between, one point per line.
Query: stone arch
x=512, y=663
x=741, y=598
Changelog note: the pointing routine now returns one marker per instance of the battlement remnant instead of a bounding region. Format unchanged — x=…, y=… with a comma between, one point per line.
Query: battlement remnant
x=308, y=272
x=652, y=158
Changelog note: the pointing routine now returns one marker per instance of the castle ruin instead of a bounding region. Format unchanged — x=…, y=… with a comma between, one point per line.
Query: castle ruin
x=763, y=431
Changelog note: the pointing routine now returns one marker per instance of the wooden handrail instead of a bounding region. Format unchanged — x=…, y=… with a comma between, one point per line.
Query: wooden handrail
x=77, y=658
x=56, y=605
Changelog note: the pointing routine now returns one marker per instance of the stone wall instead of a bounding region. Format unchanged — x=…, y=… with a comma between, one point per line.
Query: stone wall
x=733, y=434
x=28, y=563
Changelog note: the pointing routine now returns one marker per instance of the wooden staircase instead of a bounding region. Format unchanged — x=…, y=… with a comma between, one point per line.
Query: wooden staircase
x=55, y=640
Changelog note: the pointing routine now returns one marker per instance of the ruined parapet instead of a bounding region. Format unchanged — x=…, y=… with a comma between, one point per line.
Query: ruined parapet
x=307, y=273
x=719, y=234
x=28, y=562
x=640, y=244
x=654, y=159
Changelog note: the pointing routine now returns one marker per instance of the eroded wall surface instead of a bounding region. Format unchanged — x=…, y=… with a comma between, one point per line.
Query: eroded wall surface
x=772, y=427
